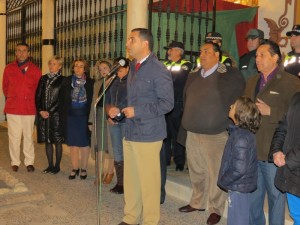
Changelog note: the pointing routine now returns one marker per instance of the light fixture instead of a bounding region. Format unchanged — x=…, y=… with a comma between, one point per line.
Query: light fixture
x=251, y=3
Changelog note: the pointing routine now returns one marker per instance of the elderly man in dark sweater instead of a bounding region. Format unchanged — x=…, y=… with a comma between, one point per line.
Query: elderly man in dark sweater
x=208, y=94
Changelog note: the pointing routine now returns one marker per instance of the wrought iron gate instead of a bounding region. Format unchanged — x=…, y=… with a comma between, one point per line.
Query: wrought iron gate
x=24, y=24
x=91, y=29
x=94, y=29
x=181, y=20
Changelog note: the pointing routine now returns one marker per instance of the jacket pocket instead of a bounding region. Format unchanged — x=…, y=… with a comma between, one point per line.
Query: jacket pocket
x=11, y=102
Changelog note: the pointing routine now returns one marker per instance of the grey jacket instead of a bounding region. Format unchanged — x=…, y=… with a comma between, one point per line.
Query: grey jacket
x=150, y=92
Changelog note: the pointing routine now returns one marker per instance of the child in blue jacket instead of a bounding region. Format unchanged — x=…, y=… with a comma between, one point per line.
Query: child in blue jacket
x=238, y=171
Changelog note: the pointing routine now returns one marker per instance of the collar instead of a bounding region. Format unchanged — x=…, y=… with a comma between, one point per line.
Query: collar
x=22, y=63
x=231, y=128
x=144, y=59
x=210, y=71
x=270, y=76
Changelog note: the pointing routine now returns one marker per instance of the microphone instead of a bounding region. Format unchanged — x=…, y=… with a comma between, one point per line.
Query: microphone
x=120, y=63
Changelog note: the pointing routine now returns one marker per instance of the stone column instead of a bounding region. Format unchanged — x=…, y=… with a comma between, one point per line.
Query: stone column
x=2, y=53
x=297, y=12
x=137, y=14
x=47, y=33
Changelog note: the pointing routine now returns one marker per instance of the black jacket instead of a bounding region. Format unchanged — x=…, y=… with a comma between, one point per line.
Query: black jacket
x=47, y=99
x=65, y=100
x=238, y=171
x=287, y=139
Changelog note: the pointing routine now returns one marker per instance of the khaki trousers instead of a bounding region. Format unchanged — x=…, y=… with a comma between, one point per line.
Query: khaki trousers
x=18, y=125
x=142, y=182
x=204, y=155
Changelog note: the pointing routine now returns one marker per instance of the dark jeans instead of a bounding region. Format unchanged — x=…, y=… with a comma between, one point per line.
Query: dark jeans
x=238, y=208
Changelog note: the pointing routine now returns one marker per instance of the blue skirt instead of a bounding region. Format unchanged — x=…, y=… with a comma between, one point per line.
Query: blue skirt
x=77, y=131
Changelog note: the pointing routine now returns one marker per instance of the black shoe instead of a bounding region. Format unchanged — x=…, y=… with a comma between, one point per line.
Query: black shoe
x=55, y=170
x=180, y=167
x=75, y=172
x=83, y=177
x=30, y=168
x=123, y=223
x=48, y=170
x=188, y=208
x=117, y=189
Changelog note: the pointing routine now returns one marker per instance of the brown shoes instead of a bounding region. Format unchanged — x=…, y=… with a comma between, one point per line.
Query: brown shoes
x=15, y=168
x=30, y=168
x=107, y=178
x=213, y=219
x=188, y=208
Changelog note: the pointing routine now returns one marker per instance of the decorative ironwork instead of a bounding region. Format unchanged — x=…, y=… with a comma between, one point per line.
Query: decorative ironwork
x=24, y=24
x=14, y=4
x=276, y=30
x=91, y=29
x=181, y=20
x=94, y=29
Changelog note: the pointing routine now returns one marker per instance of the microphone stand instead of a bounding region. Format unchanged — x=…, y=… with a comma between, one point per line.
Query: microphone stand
x=98, y=182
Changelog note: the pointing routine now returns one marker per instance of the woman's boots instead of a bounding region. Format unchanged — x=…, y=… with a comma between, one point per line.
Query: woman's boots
x=118, y=188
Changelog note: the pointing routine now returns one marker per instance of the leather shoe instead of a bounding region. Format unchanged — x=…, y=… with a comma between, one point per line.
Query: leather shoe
x=15, y=168
x=188, y=208
x=213, y=218
x=179, y=167
x=30, y=168
x=123, y=223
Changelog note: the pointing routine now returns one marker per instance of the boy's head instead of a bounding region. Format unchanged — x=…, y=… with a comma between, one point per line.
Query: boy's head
x=245, y=114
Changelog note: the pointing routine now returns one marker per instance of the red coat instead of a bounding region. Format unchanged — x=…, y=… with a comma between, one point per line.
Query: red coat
x=19, y=89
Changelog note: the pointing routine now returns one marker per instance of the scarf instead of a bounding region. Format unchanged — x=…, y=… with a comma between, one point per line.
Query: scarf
x=51, y=75
x=79, y=97
x=23, y=66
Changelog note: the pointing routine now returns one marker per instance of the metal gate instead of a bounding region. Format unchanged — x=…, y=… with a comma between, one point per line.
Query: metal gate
x=181, y=20
x=24, y=24
x=95, y=29
x=91, y=29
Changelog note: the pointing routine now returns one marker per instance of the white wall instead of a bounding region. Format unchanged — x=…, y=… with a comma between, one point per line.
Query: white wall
x=274, y=9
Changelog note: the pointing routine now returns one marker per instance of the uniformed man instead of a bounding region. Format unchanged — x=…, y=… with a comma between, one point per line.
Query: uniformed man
x=292, y=60
x=247, y=64
x=179, y=68
x=216, y=37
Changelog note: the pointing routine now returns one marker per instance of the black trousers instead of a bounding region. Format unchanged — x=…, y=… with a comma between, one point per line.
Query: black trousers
x=173, y=120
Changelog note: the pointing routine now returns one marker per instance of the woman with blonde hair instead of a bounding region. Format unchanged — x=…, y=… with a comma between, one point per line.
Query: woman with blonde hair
x=76, y=98
x=102, y=68
x=48, y=118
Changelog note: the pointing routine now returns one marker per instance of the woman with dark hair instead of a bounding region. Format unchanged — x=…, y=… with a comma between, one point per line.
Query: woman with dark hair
x=75, y=101
x=116, y=100
x=238, y=171
x=48, y=119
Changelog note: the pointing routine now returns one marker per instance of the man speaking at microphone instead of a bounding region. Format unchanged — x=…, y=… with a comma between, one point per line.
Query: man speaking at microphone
x=150, y=97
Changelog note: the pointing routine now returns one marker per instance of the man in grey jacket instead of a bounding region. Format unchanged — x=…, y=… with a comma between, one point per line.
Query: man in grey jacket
x=150, y=97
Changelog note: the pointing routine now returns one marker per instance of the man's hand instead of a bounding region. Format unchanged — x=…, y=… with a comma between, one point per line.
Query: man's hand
x=264, y=109
x=44, y=114
x=128, y=112
x=279, y=159
x=113, y=112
